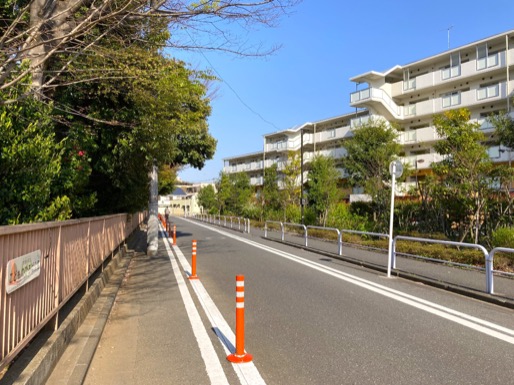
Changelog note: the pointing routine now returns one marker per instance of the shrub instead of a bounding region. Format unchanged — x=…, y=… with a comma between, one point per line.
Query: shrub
x=341, y=217
x=503, y=237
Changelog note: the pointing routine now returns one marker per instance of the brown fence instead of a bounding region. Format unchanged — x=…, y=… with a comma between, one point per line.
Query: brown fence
x=42, y=265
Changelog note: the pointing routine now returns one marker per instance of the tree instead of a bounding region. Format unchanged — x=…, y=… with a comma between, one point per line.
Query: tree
x=224, y=188
x=38, y=31
x=270, y=191
x=161, y=117
x=323, y=186
x=167, y=178
x=369, y=152
x=207, y=199
x=241, y=193
x=30, y=164
x=464, y=173
x=118, y=103
x=504, y=128
x=291, y=190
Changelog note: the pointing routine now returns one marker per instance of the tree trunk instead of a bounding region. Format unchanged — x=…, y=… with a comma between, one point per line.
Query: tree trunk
x=51, y=22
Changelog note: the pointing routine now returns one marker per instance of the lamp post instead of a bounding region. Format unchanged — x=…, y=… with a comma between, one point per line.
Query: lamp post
x=301, y=174
x=396, y=170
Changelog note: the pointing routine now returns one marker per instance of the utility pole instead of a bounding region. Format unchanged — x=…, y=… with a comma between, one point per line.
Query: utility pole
x=152, y=235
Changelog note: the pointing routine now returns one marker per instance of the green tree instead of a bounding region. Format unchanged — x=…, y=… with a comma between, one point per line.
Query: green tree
x=167, y=179
x=369, y=152
x=224, y=188
x=323, y=186
x=464, y=173
x=39, y=31
x=504, y=128
x=161, y=117
x=291, y=190
x=270, y=192
x=30, y=164
x=241, y=193
x=207, y=199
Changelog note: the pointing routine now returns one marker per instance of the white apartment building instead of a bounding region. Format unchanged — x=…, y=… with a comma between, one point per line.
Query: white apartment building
x=478, y=76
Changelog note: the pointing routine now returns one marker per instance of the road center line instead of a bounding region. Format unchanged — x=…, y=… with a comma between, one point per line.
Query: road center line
x=212, y=362
x=489, y=328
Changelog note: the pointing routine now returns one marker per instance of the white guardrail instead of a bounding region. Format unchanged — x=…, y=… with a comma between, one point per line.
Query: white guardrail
x=237, y=223
x=488, y=256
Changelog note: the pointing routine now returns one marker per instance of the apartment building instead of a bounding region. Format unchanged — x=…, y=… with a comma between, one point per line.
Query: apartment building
x=312, y=138
x=478, y=76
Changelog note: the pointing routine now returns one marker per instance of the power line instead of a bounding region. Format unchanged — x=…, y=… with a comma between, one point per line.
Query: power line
x=233, y=90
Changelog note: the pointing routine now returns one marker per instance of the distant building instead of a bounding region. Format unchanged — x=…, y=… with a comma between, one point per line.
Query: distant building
x=477, y=76
x=183, y=200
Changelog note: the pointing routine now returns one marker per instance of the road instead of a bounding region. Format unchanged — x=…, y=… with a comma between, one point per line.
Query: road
x=311, y=319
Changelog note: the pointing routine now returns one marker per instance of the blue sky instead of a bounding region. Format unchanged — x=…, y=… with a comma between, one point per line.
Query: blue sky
x=323, y=44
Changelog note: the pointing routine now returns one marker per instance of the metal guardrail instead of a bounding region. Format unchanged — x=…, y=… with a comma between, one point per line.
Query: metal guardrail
x=487, y=257
x=339, y=236
x=42, y=265
x=286, y=224
x=239, y=223
x=281, y=229
x=490, y=267
x=283, y=226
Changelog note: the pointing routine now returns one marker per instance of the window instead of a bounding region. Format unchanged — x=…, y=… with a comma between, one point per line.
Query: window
x=332, y=133
x=489, y=91
x=454, y=69
x=408, y=83
x=451, y=99
x=486, y=59
x=410, y=109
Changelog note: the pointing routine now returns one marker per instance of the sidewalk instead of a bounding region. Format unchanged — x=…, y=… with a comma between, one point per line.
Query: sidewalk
x=146, y=338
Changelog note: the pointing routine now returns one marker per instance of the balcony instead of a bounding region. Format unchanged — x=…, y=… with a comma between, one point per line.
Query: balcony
x=423, y=161
x=422, y=135
x=472, y=68
x=376, y=95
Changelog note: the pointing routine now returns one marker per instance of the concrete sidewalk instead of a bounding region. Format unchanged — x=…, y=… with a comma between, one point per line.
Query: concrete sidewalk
x=146, y=338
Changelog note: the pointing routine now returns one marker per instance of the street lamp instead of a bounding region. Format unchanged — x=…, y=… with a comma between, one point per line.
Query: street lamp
x=301, y=175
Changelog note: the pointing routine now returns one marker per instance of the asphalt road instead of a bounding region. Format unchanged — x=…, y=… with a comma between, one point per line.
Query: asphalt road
x=311, y=319
x=304, y=326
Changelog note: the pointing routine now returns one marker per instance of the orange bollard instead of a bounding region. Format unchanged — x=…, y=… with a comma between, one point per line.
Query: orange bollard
x=193, y=262
x=174, y=235
x=240, y=356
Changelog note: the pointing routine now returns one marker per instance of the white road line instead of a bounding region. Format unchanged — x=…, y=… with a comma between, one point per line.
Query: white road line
x=212, y=363
x=246, y=372
x=489, y=328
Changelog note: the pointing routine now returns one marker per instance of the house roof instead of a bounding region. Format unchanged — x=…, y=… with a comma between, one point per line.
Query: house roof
x=178, y=192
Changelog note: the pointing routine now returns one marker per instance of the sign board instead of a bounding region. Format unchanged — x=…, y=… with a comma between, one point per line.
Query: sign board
x=22, y=270
x=396, y=168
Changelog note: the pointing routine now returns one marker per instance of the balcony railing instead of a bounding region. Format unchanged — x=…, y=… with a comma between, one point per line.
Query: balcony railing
x=378, y=95
x=464, y=70
x=423, y=161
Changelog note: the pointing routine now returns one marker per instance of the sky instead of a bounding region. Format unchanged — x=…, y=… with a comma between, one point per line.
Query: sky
x=323, y=43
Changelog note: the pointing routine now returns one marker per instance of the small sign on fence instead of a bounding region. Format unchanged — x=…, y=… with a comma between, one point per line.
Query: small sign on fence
x=22, y=270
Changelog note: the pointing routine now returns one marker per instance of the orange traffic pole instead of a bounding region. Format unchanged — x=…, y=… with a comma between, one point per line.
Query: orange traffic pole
x=193, y=262
x=174, y=235
x=240, y=356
